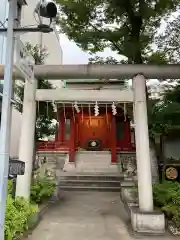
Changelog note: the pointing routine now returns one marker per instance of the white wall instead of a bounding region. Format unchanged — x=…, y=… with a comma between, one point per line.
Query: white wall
x=15, y=133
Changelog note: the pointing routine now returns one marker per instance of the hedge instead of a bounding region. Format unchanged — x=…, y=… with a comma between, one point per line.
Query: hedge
x=167, y=198
x=19, y=211
x=42, y=189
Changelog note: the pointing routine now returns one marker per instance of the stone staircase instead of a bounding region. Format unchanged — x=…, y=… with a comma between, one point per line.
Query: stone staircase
x=89, y=182
x=92, y=162
x=91, y=171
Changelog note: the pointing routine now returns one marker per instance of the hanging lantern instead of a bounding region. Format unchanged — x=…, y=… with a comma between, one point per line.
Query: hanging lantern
x=114, y=112
x=96, y=110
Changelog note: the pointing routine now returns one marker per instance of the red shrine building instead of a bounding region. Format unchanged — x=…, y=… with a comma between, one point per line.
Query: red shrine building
x=92, y=126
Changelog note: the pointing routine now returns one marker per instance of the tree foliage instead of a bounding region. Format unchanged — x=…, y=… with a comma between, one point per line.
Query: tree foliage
x=164, y=115
x=125, y=26
x=168, y=41
x=44, y=110
x=101, y=60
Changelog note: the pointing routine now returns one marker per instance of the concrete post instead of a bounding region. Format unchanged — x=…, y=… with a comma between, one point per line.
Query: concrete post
x=26, y=149
x=142, y=145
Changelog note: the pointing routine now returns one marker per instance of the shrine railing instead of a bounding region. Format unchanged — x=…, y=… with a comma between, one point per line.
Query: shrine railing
x=64, y=146
x=51, y=146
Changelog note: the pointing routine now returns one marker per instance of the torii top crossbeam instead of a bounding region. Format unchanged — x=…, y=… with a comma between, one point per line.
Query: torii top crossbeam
x=97, y=71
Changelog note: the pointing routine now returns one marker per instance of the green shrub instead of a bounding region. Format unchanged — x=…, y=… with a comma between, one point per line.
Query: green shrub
x=169, y=210
x=176, y=218
x=165, y=193
x=167, y=197
x=42, y=189
x=18, y=213
x=10, y=186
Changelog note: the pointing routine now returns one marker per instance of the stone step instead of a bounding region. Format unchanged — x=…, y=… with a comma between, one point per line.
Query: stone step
x=92, y=177
x=93, y=169
x=93, y=157
x=90, y=160
x=92, y=164
x=94, y=161
x=94, y=152
x=89, y=188
x=89, y=182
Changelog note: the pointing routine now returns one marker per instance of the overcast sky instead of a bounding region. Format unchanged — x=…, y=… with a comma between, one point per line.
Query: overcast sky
x=72, y=54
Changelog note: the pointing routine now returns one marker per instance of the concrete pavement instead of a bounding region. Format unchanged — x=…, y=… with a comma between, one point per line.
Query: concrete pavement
x=86, y=216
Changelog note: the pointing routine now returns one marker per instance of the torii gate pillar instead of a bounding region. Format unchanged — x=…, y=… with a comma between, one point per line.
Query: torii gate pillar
x=144, y=219
x=26, y=148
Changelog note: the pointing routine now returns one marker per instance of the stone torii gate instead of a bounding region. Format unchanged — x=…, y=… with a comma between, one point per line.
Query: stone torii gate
x=144, y=218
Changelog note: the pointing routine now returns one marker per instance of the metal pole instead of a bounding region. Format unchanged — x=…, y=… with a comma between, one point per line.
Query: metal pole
x=6, y=114
x=14, y=187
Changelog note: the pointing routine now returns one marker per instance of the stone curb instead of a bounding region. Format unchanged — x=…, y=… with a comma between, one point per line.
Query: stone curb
x=170, y=228
x=128, y=205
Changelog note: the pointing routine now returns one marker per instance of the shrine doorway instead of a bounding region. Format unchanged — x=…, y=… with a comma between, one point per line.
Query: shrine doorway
x=94, y=133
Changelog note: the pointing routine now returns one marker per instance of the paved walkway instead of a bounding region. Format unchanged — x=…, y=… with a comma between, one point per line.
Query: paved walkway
x=86, y=216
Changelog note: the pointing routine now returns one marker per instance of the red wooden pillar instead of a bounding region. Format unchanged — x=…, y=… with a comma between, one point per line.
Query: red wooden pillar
x=72, y=140
x=113, y=143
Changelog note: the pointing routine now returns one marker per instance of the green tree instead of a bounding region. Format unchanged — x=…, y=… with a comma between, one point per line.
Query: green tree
x=165, y=115
x=44, y=110
x=164, y=118
x=168, y=40
x=101, y=60
x=125, y=26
